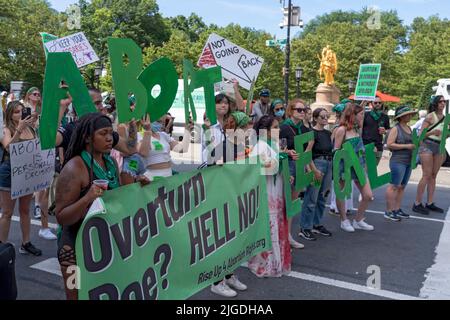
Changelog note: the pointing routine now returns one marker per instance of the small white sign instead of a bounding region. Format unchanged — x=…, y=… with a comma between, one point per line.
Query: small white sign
x=78, y=45
x=32, y=169
x=236, y=62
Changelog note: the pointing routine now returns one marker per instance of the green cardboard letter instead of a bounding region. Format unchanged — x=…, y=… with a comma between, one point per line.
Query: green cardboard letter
x=292, y=207
x=375, y=180
x=303, y=179
x=417, y=141
x=60, y=66
x=125, y=78
x=161, y=72
x=445, y=134
x=205, y=79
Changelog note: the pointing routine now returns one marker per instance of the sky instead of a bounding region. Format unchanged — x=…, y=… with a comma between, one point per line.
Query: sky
x=267, y=15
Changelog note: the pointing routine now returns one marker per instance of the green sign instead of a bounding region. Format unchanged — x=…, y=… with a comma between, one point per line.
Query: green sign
x=174, y=237
x=366, y=88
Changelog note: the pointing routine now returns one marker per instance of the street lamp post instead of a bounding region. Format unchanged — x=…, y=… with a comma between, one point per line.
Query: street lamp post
x=298, y=77
x=97, y=74
x=351, y=86
x=288, y=54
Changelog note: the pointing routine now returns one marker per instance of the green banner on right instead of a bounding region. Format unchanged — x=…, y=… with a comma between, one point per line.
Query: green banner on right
x=366, y=88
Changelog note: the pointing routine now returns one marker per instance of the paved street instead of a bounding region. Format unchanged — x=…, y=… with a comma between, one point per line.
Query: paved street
x=330, y=268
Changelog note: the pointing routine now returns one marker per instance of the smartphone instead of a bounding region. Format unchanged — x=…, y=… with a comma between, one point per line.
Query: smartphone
x=26, y=112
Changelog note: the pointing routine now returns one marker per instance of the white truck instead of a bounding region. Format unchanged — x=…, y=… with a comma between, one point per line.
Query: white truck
x=443, y=89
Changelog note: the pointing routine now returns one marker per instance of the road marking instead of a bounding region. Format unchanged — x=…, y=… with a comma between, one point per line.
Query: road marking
x=50, y=265
x=413, y=217
x=35, y=222
x=437, y=282
x=352, y=286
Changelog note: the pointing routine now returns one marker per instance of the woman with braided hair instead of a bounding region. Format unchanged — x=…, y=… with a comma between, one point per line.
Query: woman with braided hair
x=87, y=159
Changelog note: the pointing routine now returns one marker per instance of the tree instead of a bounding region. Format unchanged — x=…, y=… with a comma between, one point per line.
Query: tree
x=192, y=26
x=21, y=52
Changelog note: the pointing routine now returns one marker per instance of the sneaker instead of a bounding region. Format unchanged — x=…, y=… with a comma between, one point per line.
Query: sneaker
x=392, y=215
x=362, y=225
x=347, y=226
x=321, y=230
x=234, y=283
x=307, y=235
x=432, y=207
x=47, y=234
x=294, y=244
x=222, y=289
x=420, y=209
x=333, y=212
x=37, y=212
x=402, y=214
x=29, y=248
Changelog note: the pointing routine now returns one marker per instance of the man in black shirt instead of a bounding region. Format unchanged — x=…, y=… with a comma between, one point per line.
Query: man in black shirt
x=127, y=147
x=376, y=124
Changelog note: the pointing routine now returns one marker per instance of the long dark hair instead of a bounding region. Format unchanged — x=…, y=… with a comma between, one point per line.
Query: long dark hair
x=434, y=103
x=84, y=128
x=265, y=123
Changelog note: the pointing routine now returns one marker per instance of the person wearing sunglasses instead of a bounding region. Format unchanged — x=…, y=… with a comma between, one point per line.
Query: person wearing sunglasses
x=33, y=100
x=322, y=166
x=430, y=157
x=290, y=128
x=376, y=124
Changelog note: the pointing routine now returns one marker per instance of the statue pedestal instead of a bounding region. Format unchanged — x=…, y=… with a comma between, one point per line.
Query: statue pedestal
x=326, y=97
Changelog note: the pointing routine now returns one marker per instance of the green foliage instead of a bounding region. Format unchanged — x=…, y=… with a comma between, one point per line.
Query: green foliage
x=412, y=57
x=21, y=53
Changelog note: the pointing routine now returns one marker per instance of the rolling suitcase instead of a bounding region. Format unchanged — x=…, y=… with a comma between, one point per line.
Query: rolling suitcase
x=8, y=286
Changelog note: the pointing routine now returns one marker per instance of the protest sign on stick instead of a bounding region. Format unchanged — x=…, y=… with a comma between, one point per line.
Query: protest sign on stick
x=32, y=169
x=174, y=237
x=78, y=45
x=366, y=88
x=236, y=62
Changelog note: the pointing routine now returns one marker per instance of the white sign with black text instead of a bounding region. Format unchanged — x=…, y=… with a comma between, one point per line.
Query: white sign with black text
x=78, y=45
x=236, y=62
x=32, y=169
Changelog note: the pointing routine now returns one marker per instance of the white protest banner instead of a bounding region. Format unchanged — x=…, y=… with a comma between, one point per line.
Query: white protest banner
x=32, y=169
x=236, y=62
x=77, y=45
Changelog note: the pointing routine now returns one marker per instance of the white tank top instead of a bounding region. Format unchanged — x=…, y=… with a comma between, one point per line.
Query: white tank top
x=159, y=149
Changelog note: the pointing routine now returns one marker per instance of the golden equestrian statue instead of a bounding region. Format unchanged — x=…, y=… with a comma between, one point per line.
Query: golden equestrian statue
x=328, y=65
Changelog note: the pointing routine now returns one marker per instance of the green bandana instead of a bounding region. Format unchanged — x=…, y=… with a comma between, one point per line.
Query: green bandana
x=291, y=123
x=376, y=115
x=110, y=173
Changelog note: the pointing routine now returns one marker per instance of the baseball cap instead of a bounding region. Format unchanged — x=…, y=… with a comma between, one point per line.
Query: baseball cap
x=264, y=93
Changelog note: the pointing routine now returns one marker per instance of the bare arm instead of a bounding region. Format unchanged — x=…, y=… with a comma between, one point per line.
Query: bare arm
x=339, y=137
x=239, y=100
x=70, y=208
x=183, y=147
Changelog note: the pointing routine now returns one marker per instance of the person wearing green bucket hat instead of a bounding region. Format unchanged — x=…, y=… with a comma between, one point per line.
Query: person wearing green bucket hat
x=400, y=143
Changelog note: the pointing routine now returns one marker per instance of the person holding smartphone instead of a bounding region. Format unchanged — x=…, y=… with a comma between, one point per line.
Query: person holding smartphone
x=18, y=126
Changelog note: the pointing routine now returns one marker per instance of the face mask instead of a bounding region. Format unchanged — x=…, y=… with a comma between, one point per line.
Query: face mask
x=279, y=113
x=157, y=127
